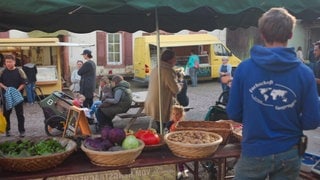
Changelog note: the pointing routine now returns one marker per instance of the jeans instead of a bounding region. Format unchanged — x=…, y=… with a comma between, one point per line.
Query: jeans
x=193, y=76
x=95, y=106
x=224, y=87
x=285, y=165
x=103, y=120
x=31, y=97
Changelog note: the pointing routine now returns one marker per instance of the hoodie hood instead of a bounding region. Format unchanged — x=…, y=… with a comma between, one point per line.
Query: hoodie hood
x=274, y=59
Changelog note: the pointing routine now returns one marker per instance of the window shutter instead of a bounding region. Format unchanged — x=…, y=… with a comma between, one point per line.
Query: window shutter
x=101, y=49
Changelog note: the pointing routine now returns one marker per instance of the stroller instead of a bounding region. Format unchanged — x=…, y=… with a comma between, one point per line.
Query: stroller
x=55, y=108
x=218, y=111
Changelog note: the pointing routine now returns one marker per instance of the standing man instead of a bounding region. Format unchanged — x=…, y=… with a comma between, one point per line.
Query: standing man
x=312, y=59
x=316, y=52
x=193, y=64
x=12, y=79
x=88, y=78
x=274, y=95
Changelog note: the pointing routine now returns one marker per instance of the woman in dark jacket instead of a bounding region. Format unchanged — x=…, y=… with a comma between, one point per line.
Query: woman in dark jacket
x=120, y=103
x=88, y=78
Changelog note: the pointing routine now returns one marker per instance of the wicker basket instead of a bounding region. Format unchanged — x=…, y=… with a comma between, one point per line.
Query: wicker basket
x=237, y=133
x=36, y=163
x=224, y=129
x=185, y=150
x=113, y=158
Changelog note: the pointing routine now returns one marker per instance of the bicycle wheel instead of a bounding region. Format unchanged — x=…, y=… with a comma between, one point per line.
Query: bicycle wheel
x=54, y=126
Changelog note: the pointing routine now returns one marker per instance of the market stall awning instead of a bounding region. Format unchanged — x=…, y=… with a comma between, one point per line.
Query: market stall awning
x=131, y=15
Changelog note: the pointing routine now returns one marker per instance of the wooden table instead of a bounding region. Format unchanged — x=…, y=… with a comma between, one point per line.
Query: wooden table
x=79, y=163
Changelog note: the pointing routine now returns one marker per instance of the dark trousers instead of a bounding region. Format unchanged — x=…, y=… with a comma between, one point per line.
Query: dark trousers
x=88, y=102
x=103, y=120
x=158, y=126
x=19, y=113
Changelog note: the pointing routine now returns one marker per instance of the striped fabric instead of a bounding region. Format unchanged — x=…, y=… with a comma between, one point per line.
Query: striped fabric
x=13, y=97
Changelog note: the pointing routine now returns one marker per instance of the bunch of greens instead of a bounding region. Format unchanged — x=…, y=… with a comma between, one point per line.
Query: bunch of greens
x=27, y=148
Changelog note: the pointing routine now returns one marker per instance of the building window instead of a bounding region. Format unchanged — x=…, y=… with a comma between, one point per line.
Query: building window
x=114, y=49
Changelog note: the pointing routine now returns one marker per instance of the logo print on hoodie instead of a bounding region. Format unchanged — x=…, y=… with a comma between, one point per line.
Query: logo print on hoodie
x=268, y=93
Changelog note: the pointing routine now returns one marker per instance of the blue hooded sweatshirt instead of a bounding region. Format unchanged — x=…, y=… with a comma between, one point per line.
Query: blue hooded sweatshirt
x=275, y=96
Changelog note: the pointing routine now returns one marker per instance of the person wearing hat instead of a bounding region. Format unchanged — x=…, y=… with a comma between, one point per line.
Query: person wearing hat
x=88, y=78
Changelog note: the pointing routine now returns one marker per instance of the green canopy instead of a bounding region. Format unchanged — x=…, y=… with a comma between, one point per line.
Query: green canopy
x=131, y=15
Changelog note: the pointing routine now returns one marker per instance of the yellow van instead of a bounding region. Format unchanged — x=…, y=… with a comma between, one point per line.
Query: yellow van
x=210, y=50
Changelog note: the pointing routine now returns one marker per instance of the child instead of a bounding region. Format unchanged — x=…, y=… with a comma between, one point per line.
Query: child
x=105, y=92
x=182, y=96
x=78, y=100
x=177, y=114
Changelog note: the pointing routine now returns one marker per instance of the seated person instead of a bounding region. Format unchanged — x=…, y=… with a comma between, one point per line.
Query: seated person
x=105, y=92
x=120, y=103
x=78, y=100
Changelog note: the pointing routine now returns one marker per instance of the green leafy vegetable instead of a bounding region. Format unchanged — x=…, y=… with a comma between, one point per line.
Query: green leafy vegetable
x=27, y=148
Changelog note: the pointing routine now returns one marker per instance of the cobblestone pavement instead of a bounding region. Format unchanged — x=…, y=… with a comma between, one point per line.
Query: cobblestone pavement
x=201, y=98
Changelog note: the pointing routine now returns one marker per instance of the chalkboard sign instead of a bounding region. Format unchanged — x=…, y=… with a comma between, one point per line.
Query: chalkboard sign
x=76, y=123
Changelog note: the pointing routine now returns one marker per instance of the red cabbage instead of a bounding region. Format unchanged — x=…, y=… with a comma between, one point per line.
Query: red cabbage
x=116, y=135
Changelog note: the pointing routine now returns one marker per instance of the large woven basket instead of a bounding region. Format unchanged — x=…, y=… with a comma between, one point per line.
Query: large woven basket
x=224, y=129
x=237, y=132
x=113, y=158
x=36, y=163
x=187, y=150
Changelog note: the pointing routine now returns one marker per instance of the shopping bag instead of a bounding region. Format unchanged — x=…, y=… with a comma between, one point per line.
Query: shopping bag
x=186, y=71
x=225, y=79
x=196, y=65
x=3, y=123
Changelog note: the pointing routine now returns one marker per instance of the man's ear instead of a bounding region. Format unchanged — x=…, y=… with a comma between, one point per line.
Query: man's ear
x=290, y=35
x=262, y=36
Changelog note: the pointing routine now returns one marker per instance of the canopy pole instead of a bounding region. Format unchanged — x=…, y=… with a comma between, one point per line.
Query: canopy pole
x=159, y=74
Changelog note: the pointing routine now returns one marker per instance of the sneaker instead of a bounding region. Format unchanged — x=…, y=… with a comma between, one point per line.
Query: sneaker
x=185, y=173
x=8, y=134
x=22, y=134
x=179, y=175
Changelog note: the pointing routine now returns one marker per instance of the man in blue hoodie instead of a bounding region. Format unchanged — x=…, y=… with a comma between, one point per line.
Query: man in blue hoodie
x=274, y=95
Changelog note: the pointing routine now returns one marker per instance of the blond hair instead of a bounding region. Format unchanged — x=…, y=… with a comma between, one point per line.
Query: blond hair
x=178, y=109
x=79, y=96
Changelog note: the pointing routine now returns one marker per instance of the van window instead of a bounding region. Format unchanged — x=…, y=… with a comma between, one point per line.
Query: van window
x=220, y=50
